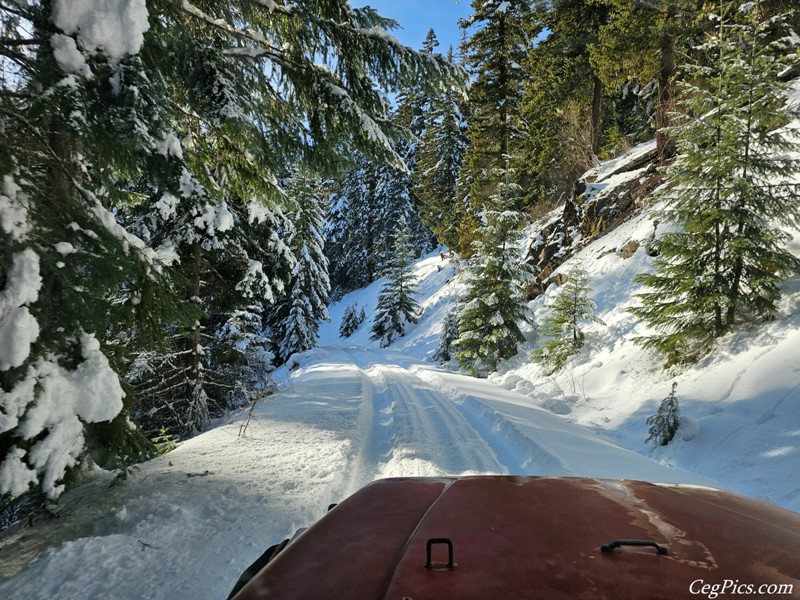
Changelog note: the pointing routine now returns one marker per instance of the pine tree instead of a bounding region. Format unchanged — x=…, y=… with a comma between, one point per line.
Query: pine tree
x=494, y=304
x=664, y=424
x=297, y=314
x=727, y=259
x=561, y=329
x=397, y=306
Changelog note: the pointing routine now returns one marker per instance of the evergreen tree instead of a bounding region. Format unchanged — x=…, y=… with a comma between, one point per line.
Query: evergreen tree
x=564, y=100
x=494, y=55
x=351, y=231
x=442, y=147
x=450, y=333
x=636, y=49
x=70, y=128
x=727, y=258
x=664, y=424
x=561, y=329
x=395, y=202
x=351, y=320
x=297, y=314
x=495, y=299
x=365, y=208
x=397, y=305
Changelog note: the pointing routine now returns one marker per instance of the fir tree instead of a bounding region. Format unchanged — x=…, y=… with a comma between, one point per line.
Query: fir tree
x=728, y=258
x=664, y=424
x=444, y=351
x=297, y=314
x=561, y=329
x=442, y=147
x=397, y=306
x=351, y=320
x=494, y=54
x=494, y=304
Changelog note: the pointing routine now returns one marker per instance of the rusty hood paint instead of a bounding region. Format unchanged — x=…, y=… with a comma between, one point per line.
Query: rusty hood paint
x=533, y=537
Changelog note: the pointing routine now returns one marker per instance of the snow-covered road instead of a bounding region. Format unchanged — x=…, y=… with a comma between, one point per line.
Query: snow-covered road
x=410, y=428
x=184, y=525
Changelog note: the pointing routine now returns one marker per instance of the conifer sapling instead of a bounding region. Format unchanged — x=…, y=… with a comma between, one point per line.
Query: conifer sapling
x=664, y=424
x=561, y=330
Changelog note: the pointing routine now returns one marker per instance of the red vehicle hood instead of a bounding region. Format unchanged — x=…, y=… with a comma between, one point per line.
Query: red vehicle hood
x=535, y=537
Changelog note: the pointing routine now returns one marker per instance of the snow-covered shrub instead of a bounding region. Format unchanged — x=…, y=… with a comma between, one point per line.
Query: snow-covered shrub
x=664, y=424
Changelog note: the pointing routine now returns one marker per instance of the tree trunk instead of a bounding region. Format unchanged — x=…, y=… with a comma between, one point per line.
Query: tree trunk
x=597, y=114
x=198, y=404
x=666, y=75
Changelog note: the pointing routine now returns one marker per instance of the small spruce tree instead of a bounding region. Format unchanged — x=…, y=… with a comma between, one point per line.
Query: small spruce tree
x=397, y=305
x=664, y=424
x=351, y=320
x=561, y=329
x=444, y=351
x=495, y=298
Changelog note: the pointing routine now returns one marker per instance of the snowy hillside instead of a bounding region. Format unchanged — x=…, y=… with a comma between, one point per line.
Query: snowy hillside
x=741, y=404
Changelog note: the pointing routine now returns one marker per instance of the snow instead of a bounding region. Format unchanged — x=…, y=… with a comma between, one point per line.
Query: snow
x=170, y=146
x=215, y=218
x=609, y=167
x=18, y=328
x=64, y=248
x=49, y=406
x=67, y=55
x=114, y=27
x=14, y=209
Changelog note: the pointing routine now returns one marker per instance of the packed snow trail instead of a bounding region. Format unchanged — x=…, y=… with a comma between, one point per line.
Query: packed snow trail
x=416, y=430
x=184, y=525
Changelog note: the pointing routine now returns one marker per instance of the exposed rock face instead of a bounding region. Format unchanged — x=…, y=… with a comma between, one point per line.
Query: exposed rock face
x=597, y=208
x=629, y=249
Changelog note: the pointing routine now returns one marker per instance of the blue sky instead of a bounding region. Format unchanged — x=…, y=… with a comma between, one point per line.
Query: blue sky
x=417, y=16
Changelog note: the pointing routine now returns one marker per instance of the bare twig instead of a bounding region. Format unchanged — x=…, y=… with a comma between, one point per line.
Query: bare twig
x=145, y=545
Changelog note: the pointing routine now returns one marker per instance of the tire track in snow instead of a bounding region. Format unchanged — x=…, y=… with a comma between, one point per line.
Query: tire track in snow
x=410, y=428
x=432, y=437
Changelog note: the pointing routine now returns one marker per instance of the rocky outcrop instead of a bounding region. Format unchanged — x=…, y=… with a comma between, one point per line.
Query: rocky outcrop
x=601, y=204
